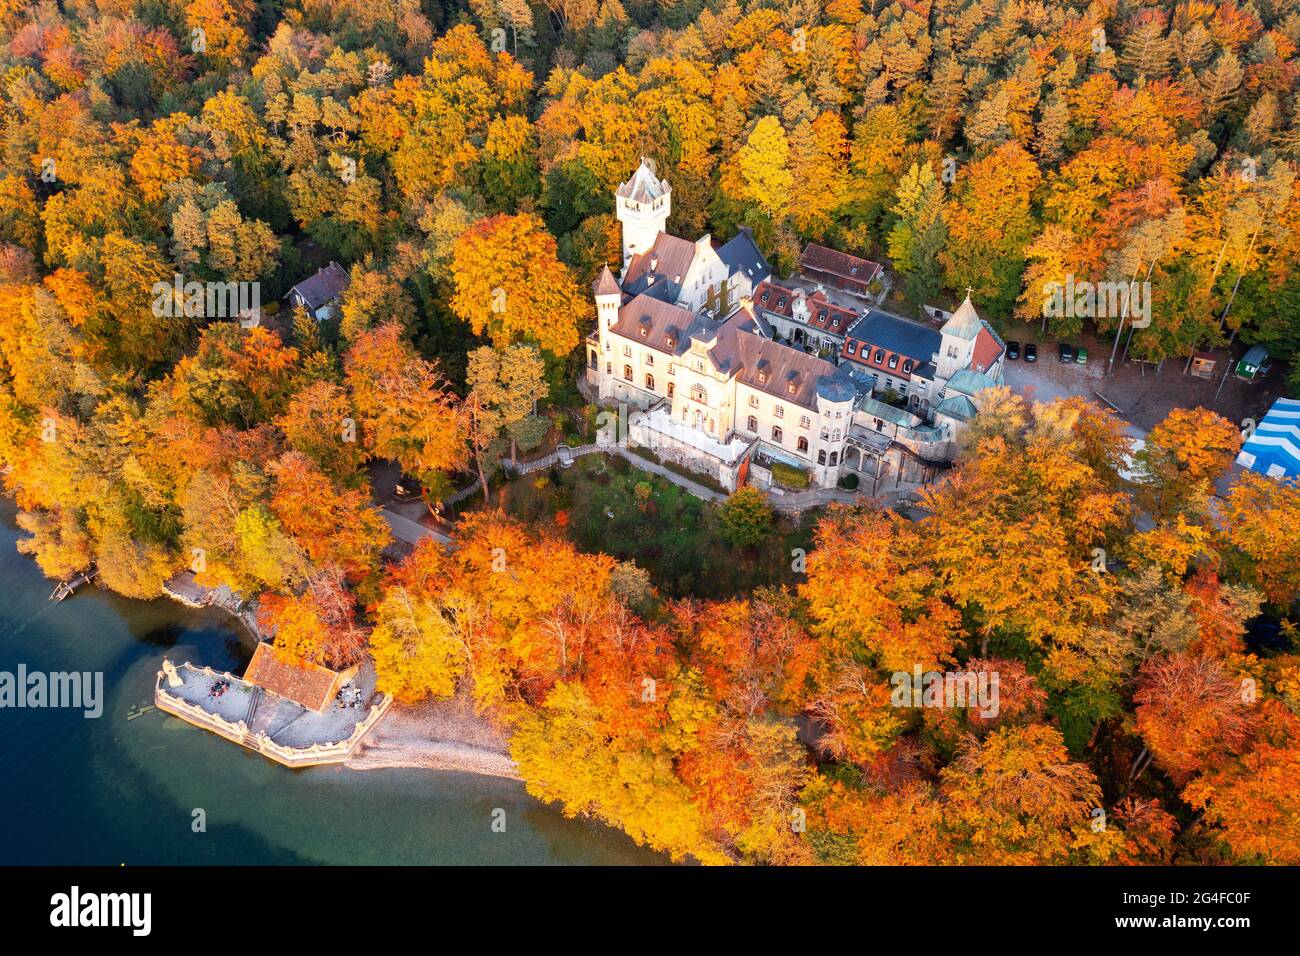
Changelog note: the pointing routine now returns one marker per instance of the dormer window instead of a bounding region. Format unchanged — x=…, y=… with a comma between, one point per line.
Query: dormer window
x=766, y=295
x=644, y=331
x=907, y=366
x=835, y=323
x=880, y=356
x=792, y=388
x=780, y=303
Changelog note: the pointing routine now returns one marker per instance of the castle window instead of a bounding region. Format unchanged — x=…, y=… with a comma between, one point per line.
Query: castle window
x=780, y=411
x=753, y=401
x=609, y=368
x=805, y=421
x=697, y=393
x=627, y=372
x=649, y=359
x=803, y=444
x=627, y=351
x=821, y=457
x=753, y=423
x=650, y=383
x=835, y=436
x=776, y=434
x=835, y=458
x=670, y=390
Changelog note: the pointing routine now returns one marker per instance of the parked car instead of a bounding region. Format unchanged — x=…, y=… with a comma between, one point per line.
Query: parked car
x=1081, y=356
x=1031, y=352
x=1067, y=352
x=1013, y=350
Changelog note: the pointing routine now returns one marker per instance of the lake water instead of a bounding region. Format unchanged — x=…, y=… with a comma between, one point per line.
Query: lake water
x=116, y=791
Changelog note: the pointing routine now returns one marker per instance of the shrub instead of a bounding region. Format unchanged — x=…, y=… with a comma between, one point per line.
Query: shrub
x=790, y=476
x=849, y=482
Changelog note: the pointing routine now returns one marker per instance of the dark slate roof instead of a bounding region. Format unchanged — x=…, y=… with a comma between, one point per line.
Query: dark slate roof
x=896, y=334
x=822, y=259
x=670, y=258
x=327, y=284
x=742, y=255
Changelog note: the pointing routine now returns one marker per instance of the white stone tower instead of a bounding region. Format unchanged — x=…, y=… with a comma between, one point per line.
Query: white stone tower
x=642, y=205
x=959, y=334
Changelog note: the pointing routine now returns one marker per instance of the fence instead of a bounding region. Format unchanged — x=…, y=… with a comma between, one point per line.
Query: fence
x=238, y=732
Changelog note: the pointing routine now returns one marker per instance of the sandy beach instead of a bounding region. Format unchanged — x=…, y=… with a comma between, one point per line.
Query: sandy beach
x=441, y=735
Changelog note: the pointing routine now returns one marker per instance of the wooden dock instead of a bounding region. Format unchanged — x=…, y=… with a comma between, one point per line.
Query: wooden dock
x=68, y=587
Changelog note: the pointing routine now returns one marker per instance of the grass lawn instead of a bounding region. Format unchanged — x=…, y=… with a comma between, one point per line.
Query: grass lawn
x=665, y=530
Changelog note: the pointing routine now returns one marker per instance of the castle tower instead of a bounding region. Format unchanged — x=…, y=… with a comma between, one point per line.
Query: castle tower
x=608, y=298
x=959, y=334
x=642, y=205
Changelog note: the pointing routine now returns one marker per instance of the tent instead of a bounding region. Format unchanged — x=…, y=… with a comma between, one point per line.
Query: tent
x=1274, y=448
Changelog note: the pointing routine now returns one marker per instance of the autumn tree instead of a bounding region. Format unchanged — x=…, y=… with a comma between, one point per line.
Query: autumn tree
x=511, y=287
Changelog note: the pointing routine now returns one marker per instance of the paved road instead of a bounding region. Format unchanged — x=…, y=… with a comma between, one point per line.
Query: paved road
x=404, y=529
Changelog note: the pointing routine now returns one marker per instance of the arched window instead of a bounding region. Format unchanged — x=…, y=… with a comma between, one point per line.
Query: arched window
x=627, y=372
x=835, y=458
x=650, y=383
x=803, y=444
x=776, y=434
x=821, y=457
x=753, y=423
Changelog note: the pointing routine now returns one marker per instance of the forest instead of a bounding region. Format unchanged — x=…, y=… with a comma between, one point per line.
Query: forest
x=459, y=161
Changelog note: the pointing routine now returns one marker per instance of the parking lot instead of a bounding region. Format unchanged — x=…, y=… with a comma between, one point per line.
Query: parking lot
x=1142, y=395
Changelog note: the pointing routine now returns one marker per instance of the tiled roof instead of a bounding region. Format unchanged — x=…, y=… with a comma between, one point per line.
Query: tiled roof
x=822, y=313
x=822, y=259
x=742, y=255
x=787, y=373
x=328, y=283
x=895, y=334
x=605, y=283
x=307, y=684
x=660, y=325
x=671, y=257
x=988, y=348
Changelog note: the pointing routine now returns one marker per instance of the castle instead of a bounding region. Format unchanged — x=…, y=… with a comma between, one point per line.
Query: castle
x=680, y=339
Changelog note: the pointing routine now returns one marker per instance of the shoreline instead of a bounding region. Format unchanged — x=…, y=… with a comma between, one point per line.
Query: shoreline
x=437, y=735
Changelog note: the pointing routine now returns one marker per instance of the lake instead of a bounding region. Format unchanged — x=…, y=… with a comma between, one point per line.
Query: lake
x=112, y=791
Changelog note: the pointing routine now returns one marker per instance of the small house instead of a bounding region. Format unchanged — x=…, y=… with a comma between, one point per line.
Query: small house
x=320, y=293
x=311, y=686
x=1253, y=363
